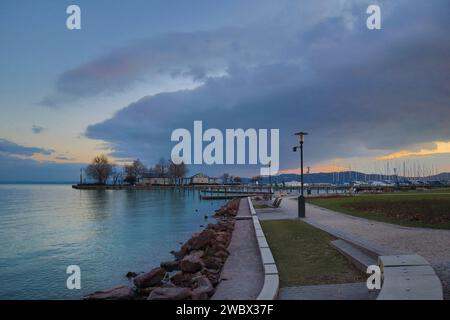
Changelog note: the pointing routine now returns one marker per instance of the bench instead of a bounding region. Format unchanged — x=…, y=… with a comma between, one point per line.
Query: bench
x=408, y=277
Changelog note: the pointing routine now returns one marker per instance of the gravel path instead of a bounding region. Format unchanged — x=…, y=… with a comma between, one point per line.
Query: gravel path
x=432, y=244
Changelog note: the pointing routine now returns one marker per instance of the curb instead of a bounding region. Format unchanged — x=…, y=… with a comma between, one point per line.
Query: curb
x=271, y=278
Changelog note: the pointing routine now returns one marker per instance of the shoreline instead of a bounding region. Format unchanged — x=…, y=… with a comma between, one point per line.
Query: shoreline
x=195, y=272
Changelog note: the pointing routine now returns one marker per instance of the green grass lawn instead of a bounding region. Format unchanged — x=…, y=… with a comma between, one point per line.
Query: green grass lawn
x=422, y=191
x=407, y=209
x=304, y=256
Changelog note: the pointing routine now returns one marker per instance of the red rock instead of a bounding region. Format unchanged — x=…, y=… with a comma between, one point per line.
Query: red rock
x=131, y=274
x=170, y=266
x=117, y=293
x=221, y=254
x=146, y=291
x=212, y=263
x=174, y=293
x=212, y=275
x=222, y=238
x=199, y=296
x=204, y=285
x=210, y=271
x=150, y=279
x=197, y=253
x=191, y=264
x=182, y=279
x=201, y=240
x=182, y=252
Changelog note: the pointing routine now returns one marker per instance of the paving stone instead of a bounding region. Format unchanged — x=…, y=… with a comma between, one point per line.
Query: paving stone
x=402, y=260
x=257, y=225
x=356, y=256
x=262, y=242
x=270, y=269
x=392, y=272
x=426, y=287
x=266, y=256
x=242, y=273
x=270, y=288
x=346, y=291
x=259, y=233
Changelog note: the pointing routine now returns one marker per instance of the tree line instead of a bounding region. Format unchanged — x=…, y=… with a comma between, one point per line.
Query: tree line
x=101, y=170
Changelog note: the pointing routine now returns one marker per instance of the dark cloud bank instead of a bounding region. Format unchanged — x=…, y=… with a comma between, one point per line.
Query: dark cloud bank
x=15, y=166
x=358, y=92
x=11, y=148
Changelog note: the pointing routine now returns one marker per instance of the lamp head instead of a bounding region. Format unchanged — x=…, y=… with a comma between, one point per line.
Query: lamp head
x=301, y=136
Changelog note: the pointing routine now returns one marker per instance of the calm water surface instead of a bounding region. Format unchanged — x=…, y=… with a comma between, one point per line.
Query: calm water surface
x=45, y=228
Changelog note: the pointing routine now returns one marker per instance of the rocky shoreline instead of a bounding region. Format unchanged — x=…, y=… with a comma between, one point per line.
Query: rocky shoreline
x=195, y=272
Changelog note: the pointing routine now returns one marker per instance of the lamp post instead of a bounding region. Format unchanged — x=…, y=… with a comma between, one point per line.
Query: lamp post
x=270, y=180
x=301, y=198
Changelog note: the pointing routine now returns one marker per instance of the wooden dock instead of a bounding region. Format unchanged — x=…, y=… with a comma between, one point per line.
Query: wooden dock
x=226, y=196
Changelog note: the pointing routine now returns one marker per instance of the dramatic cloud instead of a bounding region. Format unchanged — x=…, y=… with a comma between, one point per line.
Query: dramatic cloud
x=12, y=148
x=197, y=55
x=316, y=68
x=438, y=148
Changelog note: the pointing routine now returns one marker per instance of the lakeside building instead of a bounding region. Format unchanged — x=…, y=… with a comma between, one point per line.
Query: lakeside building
x=215, y=181
x=199, y=178
x=156, y=181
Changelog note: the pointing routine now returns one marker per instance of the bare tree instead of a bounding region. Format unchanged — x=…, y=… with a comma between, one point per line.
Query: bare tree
x=237, y=179
x=116, y=175
x=225, y=177
x=177, y=171
x=161, y=168
x=100, y=169
x=135, y=172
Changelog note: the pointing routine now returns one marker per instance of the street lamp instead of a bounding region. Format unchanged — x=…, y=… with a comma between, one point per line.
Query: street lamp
x=301, y=198
x=270, y=180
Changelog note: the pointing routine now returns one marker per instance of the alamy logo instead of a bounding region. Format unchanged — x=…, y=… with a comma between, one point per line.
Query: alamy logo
x=74, y=280
x=248, y=146
x=73, y=21
x=374, y=20
x=374, y=280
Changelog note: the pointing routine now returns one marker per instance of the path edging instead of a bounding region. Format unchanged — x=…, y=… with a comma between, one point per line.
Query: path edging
x=271, y=285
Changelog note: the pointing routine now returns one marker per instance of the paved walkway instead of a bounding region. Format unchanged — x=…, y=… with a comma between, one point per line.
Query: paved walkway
x=242, y=274
x=432, y=244
x=346, y=291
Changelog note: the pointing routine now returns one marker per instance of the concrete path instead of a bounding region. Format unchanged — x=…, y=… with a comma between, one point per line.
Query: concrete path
x=346, y=291
x=242, y=274
x=432, y=244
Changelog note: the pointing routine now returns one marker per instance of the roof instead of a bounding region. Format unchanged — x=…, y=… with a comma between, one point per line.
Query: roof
x=199, y=175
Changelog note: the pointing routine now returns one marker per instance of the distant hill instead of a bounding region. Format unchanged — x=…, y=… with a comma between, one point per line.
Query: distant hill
x=343, y=177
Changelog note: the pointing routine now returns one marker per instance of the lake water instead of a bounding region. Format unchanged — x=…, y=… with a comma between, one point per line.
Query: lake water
x=45, y=228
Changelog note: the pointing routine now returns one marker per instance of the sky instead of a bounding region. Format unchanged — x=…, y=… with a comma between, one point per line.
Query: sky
x=137, y=70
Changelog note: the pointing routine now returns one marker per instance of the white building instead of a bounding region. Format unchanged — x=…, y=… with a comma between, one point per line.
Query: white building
x=155, y=181
x=200, y=178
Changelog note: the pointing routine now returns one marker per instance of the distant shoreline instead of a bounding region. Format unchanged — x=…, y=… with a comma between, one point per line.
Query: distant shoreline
x=38, y=182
